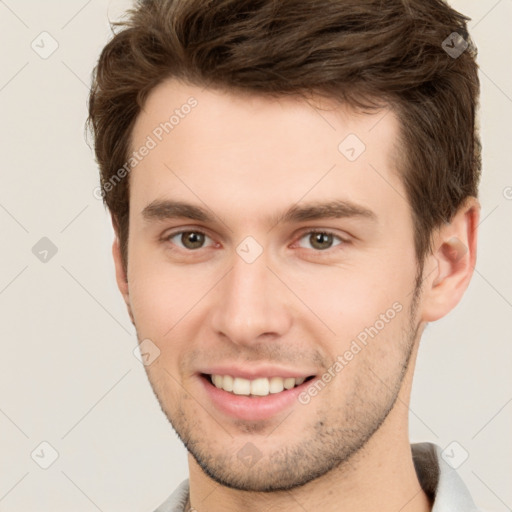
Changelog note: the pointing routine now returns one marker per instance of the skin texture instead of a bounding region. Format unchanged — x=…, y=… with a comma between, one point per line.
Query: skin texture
x=247, y=160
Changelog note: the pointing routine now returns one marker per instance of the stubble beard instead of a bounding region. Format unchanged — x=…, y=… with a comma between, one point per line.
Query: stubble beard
x=329, y=443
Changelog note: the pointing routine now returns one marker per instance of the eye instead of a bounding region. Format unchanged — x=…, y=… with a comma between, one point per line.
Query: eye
x=190, y=240
x=320, y=240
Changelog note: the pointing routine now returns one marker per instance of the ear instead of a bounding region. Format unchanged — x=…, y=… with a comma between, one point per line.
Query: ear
x=121, y=273
x=448, y=270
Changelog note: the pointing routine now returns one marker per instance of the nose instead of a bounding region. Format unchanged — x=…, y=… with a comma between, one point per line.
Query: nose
x=251, y=303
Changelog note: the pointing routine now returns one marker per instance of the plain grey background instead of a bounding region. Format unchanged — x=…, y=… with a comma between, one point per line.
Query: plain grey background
x=68, y=375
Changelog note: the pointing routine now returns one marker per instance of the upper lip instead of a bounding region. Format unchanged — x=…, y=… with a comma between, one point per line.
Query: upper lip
x=256, y=371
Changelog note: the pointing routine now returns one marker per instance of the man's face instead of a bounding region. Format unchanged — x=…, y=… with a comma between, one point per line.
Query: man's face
x=249, y=293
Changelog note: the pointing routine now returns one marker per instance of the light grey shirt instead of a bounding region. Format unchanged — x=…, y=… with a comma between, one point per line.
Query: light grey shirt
x=437, y=478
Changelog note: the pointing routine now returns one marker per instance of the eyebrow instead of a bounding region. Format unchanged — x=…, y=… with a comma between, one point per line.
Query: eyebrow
x=161, y=210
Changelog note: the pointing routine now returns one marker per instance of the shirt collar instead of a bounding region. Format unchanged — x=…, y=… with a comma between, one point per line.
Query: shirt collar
x=440, y=481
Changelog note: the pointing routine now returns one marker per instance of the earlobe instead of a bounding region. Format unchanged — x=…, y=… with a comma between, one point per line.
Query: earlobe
x=121, y=277
x=121, y=272
x=450, y=266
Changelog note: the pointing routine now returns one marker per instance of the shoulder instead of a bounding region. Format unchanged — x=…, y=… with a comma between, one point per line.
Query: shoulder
x=440, y=480
x=176, y=501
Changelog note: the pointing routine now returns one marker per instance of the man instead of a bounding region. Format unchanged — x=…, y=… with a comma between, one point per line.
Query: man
x=293, y=187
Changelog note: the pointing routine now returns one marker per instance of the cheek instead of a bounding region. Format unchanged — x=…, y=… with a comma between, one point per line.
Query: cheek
x=153, y=299
x=349, y=297
x=161, y=294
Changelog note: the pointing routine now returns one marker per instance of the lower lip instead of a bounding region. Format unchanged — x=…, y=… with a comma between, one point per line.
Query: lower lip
x=252, y=408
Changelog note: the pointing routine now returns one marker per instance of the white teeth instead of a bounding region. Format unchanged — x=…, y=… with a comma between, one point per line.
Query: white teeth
x=289, y=383
x=260, y=387
x=276, y=385
x=241, y=386
x=257, y=387
x=227, y=382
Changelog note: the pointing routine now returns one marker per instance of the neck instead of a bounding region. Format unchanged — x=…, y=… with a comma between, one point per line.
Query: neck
x=381, y=476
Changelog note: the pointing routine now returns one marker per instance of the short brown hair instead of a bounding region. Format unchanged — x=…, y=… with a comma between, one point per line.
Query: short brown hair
x=365, y=53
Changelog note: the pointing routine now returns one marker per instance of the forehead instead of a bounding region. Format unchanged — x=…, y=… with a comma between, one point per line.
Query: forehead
x=249, y=151
x=233, y=115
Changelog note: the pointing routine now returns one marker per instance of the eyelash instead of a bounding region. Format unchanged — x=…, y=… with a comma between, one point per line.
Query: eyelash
x=343, y=241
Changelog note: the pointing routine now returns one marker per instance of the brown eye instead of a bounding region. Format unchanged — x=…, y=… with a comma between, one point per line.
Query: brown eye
x=190, y=240
x=321, y=240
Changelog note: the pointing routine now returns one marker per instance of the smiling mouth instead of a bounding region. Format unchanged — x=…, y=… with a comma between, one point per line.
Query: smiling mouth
x=259, y=387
